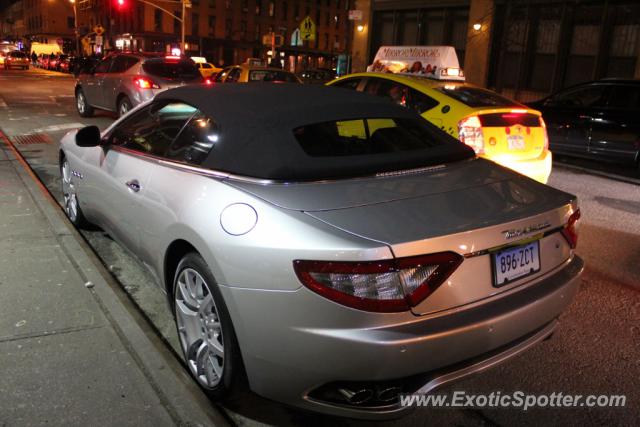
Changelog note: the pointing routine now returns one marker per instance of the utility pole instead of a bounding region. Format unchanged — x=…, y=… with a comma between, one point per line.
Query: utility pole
x=76, y=27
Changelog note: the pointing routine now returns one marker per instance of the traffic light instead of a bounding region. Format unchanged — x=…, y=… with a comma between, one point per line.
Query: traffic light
x=120, y=3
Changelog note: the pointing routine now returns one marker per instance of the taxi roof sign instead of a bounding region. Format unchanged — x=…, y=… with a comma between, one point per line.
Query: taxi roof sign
x=436, y=62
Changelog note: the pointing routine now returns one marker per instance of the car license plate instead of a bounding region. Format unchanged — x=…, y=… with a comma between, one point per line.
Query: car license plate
x=515, y=142
x=515, y=263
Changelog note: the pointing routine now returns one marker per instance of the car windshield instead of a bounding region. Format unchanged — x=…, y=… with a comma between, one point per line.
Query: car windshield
x=271, y=76
x=476, y=97
x=372, y=136
x=173, y=70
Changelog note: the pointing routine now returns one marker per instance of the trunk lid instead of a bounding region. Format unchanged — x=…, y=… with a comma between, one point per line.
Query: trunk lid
x=465, y=207
x=514, y=134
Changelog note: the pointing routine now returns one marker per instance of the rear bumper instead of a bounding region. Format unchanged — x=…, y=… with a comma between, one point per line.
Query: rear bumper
x=307, y=342
x=538, y=168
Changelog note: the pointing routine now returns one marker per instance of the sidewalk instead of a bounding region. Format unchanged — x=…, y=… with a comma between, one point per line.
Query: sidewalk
x=72, y=354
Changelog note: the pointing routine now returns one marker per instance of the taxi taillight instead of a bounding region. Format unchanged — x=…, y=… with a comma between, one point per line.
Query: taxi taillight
x=543, y=125
x=470, y=132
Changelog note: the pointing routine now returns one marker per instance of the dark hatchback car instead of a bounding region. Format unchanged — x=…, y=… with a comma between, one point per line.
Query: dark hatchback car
x=598, y=120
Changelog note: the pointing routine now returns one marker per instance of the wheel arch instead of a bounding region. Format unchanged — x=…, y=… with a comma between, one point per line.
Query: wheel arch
x=172, y=256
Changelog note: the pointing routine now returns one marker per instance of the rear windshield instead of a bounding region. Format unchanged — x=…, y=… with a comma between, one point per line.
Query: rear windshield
x=178, y=70
x=476, y=97
x=374, y=136
x=17, y=54
x=271, y=76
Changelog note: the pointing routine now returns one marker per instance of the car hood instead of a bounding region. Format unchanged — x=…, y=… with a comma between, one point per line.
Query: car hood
x=457, y=197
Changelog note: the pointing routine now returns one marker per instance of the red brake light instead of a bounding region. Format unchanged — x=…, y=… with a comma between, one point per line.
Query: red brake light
x=470, y=132
x=145, y=83
x=381, y=286
x=208, y=81
x=570, y=231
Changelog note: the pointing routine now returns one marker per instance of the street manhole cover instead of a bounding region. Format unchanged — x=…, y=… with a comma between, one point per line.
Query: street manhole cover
x=35, y=138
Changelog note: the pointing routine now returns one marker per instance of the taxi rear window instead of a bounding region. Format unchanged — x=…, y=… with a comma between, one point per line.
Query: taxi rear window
x=476, y=97
x=368, y=136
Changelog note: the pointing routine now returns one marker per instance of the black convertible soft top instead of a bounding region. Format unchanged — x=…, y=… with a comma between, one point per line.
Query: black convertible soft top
x=256, y=123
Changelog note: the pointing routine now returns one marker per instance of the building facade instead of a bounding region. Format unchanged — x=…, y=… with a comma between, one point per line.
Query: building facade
x=523, y=48
x=223, y=31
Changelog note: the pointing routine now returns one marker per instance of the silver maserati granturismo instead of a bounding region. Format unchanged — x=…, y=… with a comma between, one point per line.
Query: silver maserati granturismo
x=327, y=248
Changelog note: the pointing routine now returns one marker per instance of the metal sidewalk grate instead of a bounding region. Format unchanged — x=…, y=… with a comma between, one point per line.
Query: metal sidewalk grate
x=36, y=138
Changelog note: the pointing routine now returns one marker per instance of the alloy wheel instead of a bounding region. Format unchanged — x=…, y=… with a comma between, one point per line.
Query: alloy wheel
x=199, y=328
x=81, y=102
x=124, y=108
x=69, y=193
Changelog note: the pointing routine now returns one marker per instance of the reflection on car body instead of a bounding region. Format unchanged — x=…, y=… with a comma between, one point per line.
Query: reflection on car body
x=336, y=259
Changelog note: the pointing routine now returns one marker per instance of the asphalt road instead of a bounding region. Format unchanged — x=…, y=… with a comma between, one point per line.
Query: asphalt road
x=595, y=351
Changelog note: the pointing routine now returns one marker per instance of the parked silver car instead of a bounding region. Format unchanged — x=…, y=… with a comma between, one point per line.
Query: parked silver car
x=121, y=81
x=335, y=247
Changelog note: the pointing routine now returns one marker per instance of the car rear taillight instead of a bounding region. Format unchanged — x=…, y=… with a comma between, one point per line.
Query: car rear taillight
x=470, y=132
x=145, y=83
x=382, y=286
x=570, y=231
x=543, y=125
x=208, y=81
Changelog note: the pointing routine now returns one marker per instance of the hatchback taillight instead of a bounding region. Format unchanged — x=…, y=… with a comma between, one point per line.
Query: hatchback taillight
x=382, y=286
x=470, y=132
x=145, y=83
x=570, y=231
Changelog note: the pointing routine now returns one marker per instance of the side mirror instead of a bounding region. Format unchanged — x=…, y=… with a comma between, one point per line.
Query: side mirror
x=88, y=137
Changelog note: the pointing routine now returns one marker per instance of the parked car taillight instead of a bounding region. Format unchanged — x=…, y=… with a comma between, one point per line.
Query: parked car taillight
x=543, y=125
x=570, y=231
x=470, y=132
x=145, y=83
x=382, y=286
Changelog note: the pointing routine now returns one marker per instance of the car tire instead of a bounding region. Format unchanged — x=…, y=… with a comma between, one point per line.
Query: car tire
x=82, y=105
x=124, y=106
x=205, y=330
x=70, y=204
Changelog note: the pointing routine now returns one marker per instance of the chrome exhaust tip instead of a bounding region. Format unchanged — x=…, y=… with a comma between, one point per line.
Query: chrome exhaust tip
x=388, y=394
x=356, y=397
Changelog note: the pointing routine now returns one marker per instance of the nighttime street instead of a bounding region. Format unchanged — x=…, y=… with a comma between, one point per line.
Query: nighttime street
x=594, y=351
x=333, y=213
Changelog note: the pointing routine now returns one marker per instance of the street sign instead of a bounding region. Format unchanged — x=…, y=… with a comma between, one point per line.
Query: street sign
x=296, y=40
x=307, y=29
x=355, y=15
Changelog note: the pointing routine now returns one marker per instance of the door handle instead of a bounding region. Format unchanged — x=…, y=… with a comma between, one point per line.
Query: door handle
x=133, y=185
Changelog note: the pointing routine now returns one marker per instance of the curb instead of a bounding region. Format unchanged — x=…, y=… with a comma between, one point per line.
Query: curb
x=181, y=397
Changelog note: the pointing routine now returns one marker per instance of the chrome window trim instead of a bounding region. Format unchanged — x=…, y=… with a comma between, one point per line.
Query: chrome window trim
x=262, y=181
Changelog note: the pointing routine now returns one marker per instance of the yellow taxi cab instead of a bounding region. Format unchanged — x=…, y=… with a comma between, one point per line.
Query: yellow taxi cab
x=496, y=127
x=207, y=69
x=252, y=73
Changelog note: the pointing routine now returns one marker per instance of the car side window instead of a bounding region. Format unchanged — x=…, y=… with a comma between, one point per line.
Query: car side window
x=234, y=75
x=348, y=83
x=625, y=97
x=152, y=129
x=122, y=63
x=222, y=74
x=589, y=96
x=104, y=65
x=195, y=140
x=420, y=102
